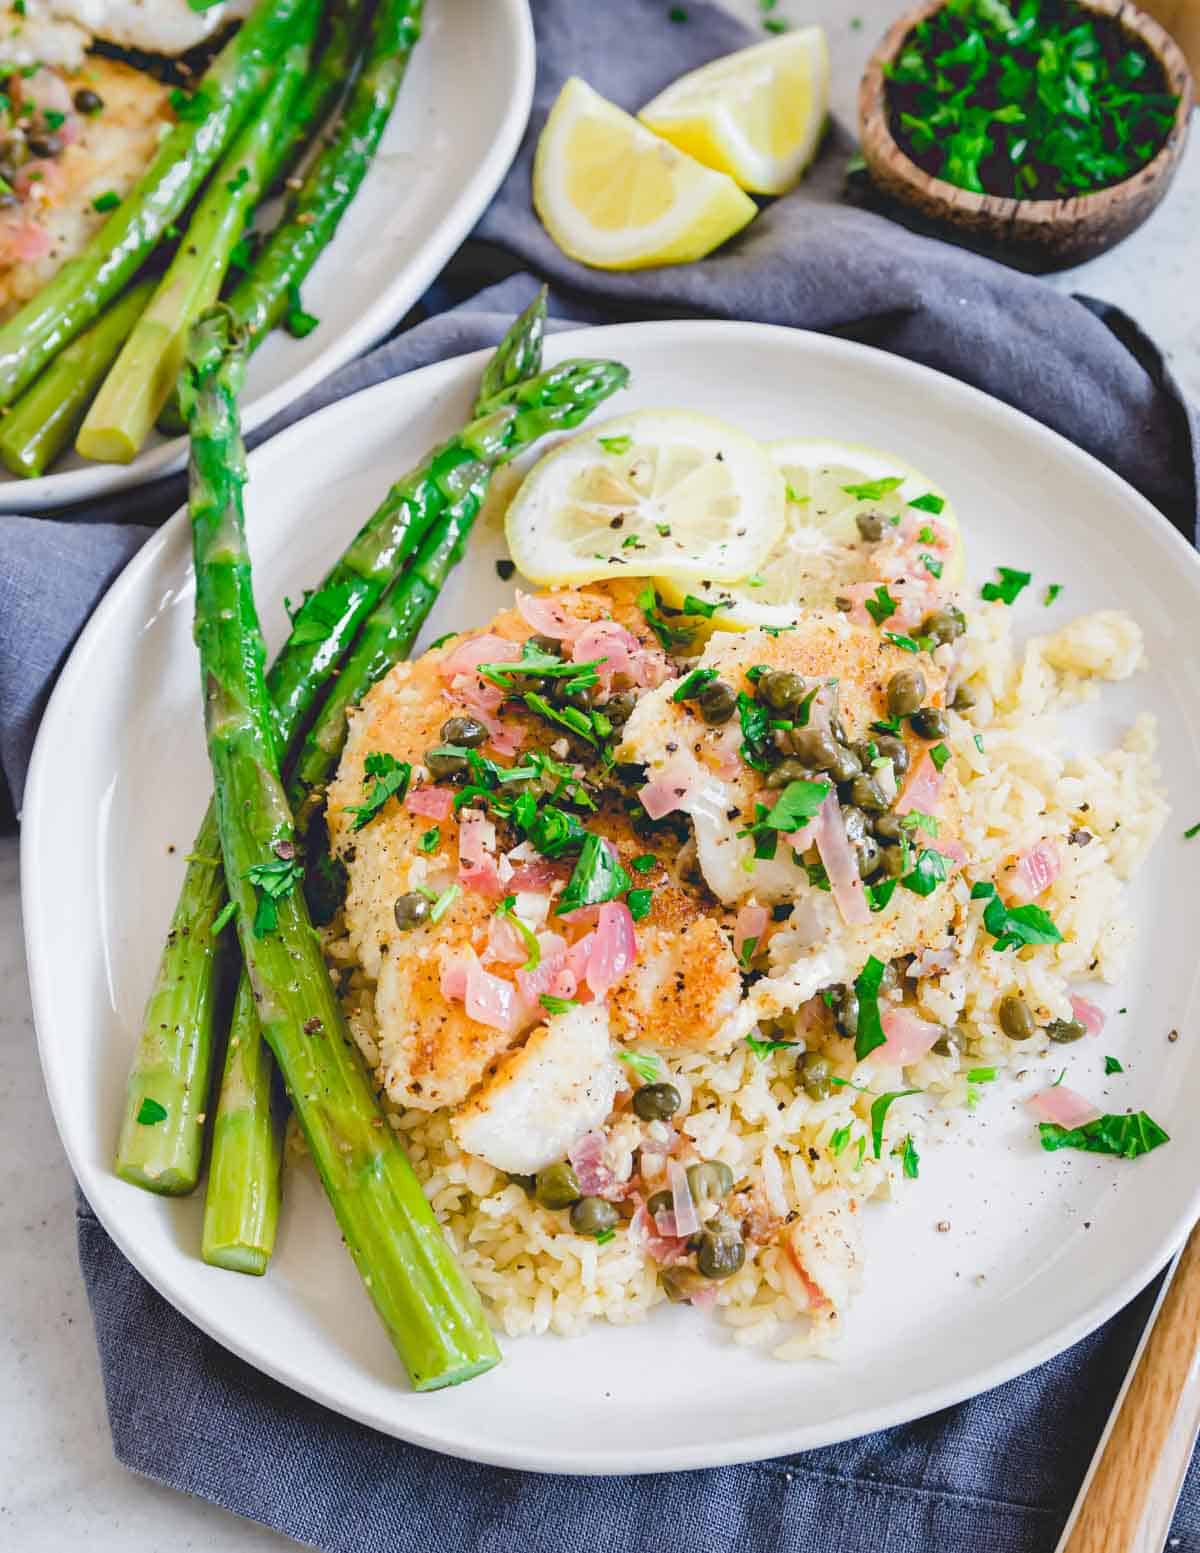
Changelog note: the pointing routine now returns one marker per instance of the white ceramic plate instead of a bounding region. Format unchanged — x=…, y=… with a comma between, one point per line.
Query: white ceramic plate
x=455, y=129
x=1041, y=1247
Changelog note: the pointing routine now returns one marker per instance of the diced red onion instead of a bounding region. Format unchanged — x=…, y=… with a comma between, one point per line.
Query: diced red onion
x=923, y=790
x=505, y=943
x=548, y=617
x=703, y=1296
x=476, y=841
x=490, y=1000
x=669, y=790
x=751, y=922
x=841, y=864
x=1063, y=1106
x=665, y=1250
x=1036, y=871
x=683, y=1205
x=469, y=654
x=435, y=803
x=23, y=242
x=589, y=1160
x=453, y=981
x=539, y=876
x=1088, y=1015
x=908, y=1038
x=614, y=949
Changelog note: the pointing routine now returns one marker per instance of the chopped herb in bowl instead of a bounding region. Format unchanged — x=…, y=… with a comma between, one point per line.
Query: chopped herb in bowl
x=1038, y=100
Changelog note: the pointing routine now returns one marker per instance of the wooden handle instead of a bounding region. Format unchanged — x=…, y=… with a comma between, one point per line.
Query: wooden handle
x=1181, y=18
x=1128, y=1500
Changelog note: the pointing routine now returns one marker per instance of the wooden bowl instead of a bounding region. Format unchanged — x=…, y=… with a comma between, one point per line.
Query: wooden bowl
x=1047, y=234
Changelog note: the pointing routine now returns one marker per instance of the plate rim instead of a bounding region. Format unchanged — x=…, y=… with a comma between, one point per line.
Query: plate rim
x=99, y=480
x=481, y=1445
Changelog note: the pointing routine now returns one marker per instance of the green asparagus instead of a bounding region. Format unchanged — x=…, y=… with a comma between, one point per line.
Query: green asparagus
x=138, y=386
x=329, y=77
x=172, y=1061
x=77, y=294
x=48, y=414
x=242, y=1197
x=262, y=297
x=429, y=1309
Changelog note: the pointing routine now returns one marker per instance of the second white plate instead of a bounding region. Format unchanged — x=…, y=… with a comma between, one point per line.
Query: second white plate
x=1040, y=1248
x=454, y=132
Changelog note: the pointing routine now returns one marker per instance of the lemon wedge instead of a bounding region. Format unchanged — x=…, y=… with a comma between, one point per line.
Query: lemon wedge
x=756, y=115
x=821, y=549
x=613, y=195
x=656, y=493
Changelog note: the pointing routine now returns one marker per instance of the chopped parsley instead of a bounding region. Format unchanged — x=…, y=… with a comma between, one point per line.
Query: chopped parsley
x=150, y=1113
x=694, y=606
x=669, y=636
x=528, y=937
x=763, y=1049
x=570, y=717
x=296, y=321
x=874, y=490
x=1192, y=830
x=931, y=565
x=639, y=903
x=915, y=820
x=755, y=722
x=870, y=1029
x=597, y=877
x=878, y=895
x=939, y=754
x=796, y=805
x=879, y=1111
x=928, y=503
x=1007, y=589
x=544, y=665
x=1111, y=1065
x=444, y=902
x=190, y=109
x=746, y=952
x=1052, y=593
x=881, y=605
x=838, y=1140
x=615, y=445
x=1013, y=927
x=431, y=839
x=645, y=864
x=692, y=684
x=604, y=1236
x=910, y=1160
x=677, y=14
x=557, y=1005
x=927, y=873
x=1125, y=1136
x=981, y=1076
x=908, y=643
x=644, y=1064
x=239, y=180
x=390, y=780
x=274, y=881
x=109, y=200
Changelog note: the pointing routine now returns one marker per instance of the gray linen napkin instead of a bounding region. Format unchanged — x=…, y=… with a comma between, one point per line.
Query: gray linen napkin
x=997, y=1473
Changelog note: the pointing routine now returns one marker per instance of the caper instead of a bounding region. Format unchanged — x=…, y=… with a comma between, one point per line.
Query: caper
x=855, y=822
x=717, y=702
x=843, y=1004
x=593, y=1215
x=547, y=644
x=1063, y=1030
x=1015, y=1019
x=45, y=145
x=720, y=1256
x=582, y=698
x=947, y=1045
x=847, y=765
x=780, y=690
x=870, y=526
x=410, y=910
x=814, y=746
x=619, y=708
x=790, y=770
x=964, y=698
x=895, y=750
x=816, y=1074
x=660, y=1202
x=944, y=625
x=889, y=976
x=442, y=764
x=869, y=854
x=87, y=101
x=892, y=862
x=709, y=1181
x=680, y=1283
x=905, y=692
x=866, y=792
x=929, y=722
x=889, y=828
x=527, y=1184
x=656, y=1102
x=468, y=731
x=557, y=1186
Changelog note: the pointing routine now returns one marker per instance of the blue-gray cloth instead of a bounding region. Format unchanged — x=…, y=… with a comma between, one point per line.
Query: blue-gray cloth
x=999, y=1472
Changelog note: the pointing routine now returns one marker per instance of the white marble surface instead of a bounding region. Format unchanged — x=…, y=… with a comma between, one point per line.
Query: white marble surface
x=58, y=1477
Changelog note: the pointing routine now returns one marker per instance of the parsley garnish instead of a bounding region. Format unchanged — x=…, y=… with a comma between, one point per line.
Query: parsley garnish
x=1052, y=593
x=981, y=1076
x=639, y=903
x=616, y=445
x=910, y=1159
x=881, y=605
x=190, y=109
x=391, y=779
x=874, y=490
x=273, y=881
x=644, y=864
x=755, y=721
x=838, y=1140
x=694, y=606
x=1192, y=830
x=692, y=683
x=545, y=665
x=646, y=1067
x=928, y=872
x=939, y=754
x=597, y=877
x=557, y=1005
x=879, y=1111
x=879, y=894
x=431, y=839
x=669, y=636
x=870, y=1029
x=796, y=805
x=1111, y=1065
x=915, y=820
x=150, y=1113
x=928, y=503
x=1010, y=585
x=1126, y=1136
x=109, y=200
x=1015, y=926
x=296, y=321
x=604, y=1236
x=746, y=952
x=763, y=1049
x=528, y=937
x=908, y=643
x=932, y=566
x=444, y=902
x=569, y=717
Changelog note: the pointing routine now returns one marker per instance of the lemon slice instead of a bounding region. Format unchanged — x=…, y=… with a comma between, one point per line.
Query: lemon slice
x=756, y=115
x=615, y=196
x=821, y=549
x=657, y=493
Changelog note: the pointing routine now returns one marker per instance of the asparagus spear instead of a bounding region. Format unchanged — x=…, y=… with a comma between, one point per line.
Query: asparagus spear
x=172, y=1062
x=230, y=87
x=241, y=1205
x=48, y=414
x=330, y=76
x=138, y=386
x=261, y=298
x=430, y=1310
